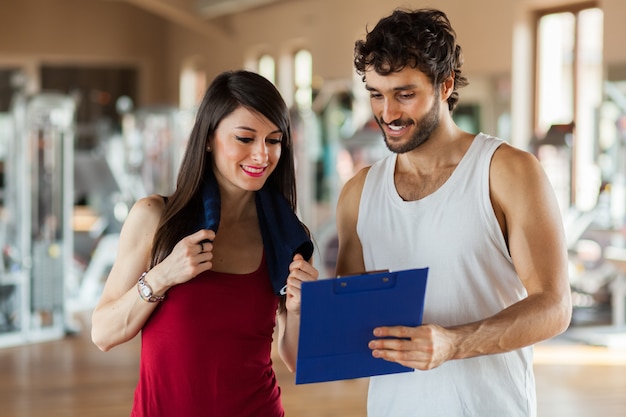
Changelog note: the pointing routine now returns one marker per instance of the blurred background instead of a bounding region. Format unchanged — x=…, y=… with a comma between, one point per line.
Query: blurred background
x=97, y=98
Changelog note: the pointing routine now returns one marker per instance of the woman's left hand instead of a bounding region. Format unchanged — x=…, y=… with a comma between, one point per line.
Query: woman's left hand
x=299, y=271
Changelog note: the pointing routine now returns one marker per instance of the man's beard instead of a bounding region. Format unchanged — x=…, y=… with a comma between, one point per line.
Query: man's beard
x=425, y=127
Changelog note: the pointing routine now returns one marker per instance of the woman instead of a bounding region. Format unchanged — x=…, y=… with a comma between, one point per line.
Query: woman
x=212, y=284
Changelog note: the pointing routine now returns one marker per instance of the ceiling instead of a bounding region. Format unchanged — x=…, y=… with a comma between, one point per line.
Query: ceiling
x=202, y=16
x=216, y=8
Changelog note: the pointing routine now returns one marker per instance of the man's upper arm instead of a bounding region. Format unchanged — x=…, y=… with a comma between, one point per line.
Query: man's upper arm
x=524, y=200
x=350, y=252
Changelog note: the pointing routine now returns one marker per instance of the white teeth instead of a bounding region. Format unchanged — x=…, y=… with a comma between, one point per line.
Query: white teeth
x=393, y=127
x=253, y=169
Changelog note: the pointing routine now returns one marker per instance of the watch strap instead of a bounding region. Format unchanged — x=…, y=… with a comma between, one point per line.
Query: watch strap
x=145, y=292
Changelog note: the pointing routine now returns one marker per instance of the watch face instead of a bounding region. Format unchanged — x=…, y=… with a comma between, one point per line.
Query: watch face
x=146, y=291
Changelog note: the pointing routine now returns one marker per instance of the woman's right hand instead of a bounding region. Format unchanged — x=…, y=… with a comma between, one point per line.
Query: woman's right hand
x=191, y=256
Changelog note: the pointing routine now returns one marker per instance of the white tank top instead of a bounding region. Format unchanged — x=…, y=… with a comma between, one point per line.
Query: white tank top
x=453, y=232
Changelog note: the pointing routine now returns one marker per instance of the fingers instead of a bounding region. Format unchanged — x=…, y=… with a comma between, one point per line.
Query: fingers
x=301, y=264
x=192, y=255
x=202, y=236
x=423, y=347
x=200, y=242
x=393, y=338
x=300, y=271
x=204, y=246
x=395, y=331
x=297, y=258
x=400, y=348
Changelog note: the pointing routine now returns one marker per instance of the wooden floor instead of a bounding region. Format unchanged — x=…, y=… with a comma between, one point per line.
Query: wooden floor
x=71, y=377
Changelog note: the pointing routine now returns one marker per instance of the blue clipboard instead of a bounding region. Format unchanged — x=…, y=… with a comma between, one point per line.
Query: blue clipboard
x=338, y=316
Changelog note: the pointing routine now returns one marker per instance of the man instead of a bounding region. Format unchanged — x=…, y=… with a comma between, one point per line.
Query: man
x=479, y=213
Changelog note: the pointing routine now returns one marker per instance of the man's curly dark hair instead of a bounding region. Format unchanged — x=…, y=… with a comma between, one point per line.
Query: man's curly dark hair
x=421, y=39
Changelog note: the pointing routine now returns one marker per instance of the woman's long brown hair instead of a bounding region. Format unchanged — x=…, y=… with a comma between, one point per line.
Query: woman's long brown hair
x=227, y=92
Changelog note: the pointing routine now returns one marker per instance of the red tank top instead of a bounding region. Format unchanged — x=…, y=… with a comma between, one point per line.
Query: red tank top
x=206, y=350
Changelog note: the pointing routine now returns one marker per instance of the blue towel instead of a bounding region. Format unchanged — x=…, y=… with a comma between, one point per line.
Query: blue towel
x=283, y=234
x=210, y=202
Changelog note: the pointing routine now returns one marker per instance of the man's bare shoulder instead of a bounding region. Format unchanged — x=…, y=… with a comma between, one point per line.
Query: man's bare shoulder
x=356, y=182
x=517, y=175
x=350, y=196
x=510, y=161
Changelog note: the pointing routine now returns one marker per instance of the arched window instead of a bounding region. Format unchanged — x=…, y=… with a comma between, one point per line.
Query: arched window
x=192, y=83
x=303, y=79
x=267, y=67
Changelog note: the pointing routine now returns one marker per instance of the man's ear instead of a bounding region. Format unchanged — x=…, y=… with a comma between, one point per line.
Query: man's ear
x=447, y=87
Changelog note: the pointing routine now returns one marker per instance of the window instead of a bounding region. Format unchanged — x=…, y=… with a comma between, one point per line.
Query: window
x=303, y=77
x=267, y=67
x=569, y=87
x=192, y=83
x=191, y=87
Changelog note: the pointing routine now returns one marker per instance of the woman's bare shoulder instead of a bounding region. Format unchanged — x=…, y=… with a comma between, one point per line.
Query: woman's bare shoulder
x=145, y=214
x=152, y=205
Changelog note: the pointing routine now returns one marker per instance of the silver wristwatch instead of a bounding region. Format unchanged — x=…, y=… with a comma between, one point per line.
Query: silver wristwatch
x=145, y=292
